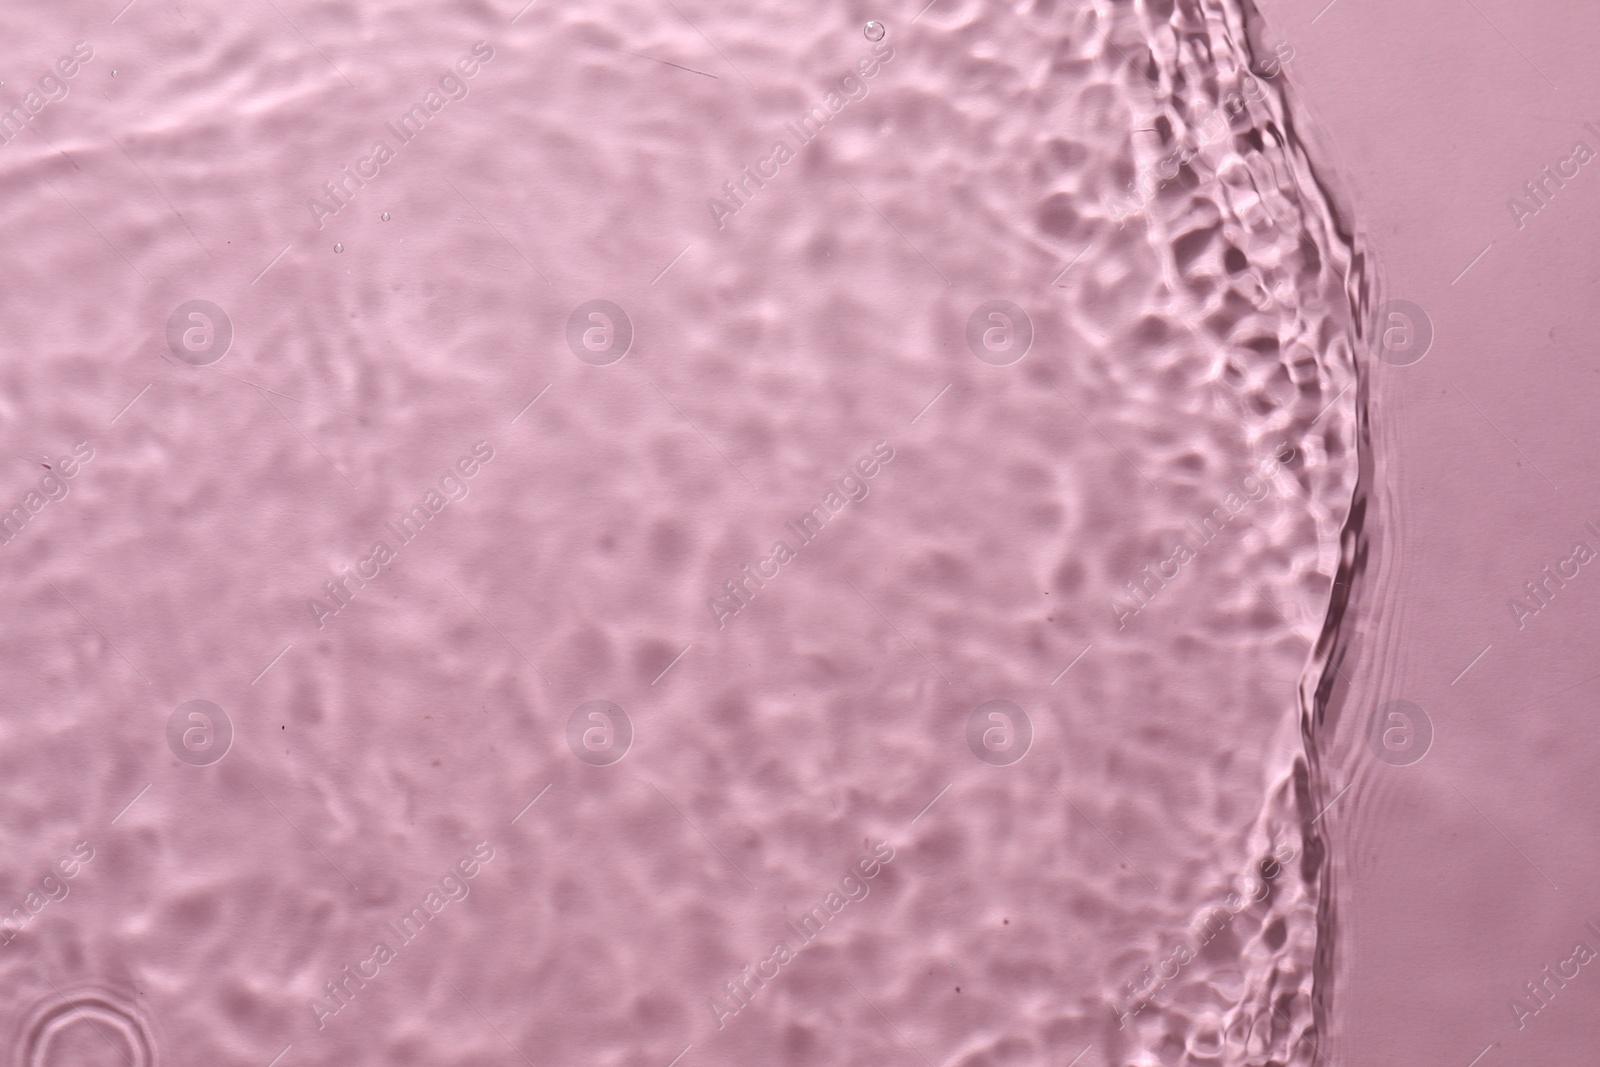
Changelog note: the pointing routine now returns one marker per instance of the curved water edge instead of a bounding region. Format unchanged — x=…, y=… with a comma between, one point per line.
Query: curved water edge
x=70, y=1026
x=1211, y=58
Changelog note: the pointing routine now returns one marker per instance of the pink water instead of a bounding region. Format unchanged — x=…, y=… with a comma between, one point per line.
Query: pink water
x=656, y=534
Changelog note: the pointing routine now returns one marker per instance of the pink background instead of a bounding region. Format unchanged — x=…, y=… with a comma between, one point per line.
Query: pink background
x=1059, y=792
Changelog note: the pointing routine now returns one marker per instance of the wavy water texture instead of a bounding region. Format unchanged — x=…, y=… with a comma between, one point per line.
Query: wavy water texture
x=1255, y=204
x=1142, y=534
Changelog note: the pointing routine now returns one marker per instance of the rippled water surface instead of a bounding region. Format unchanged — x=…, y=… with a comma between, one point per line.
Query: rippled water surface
x=638, y=533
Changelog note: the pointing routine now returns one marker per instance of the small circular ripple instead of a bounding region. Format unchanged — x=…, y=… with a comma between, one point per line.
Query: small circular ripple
x=93, y=1011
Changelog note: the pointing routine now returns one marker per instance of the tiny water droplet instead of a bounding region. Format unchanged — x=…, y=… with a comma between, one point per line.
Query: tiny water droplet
x=338, y=248
x=385, y=216
x=875, y=31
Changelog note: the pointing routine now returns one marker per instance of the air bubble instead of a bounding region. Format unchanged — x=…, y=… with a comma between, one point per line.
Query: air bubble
x=384, y=216
x=338, y=248
x=875, y=31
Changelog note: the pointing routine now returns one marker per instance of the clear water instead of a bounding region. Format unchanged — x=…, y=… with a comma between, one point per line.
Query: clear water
x=652, y=534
